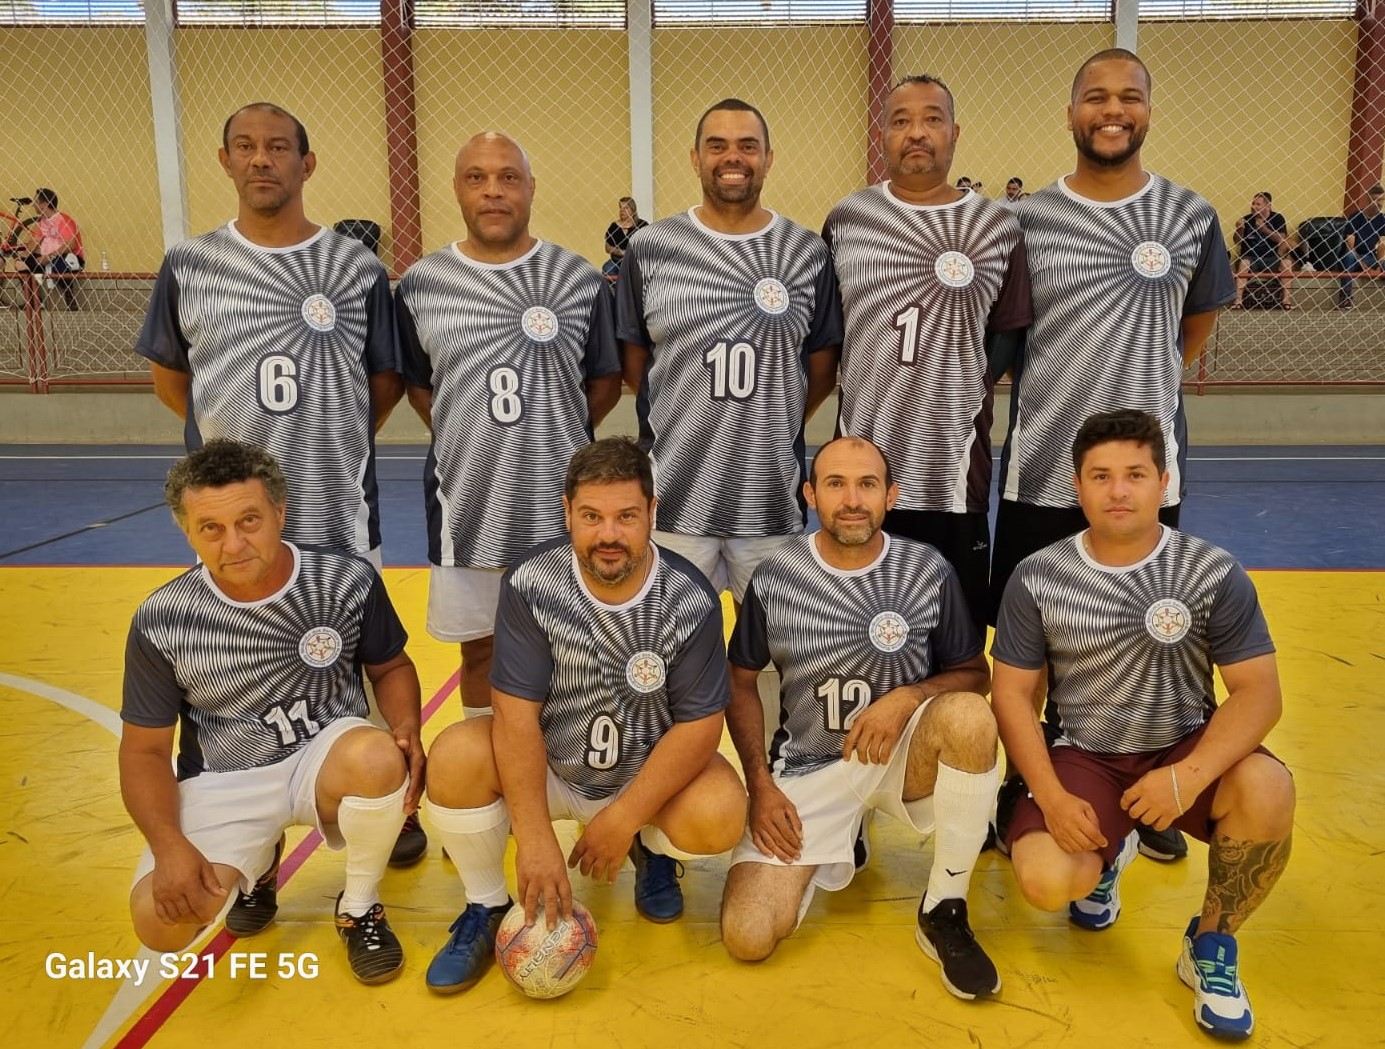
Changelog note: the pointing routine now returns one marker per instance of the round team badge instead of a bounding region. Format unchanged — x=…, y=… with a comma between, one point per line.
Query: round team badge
x=954, y=269
x=645, y=671
x=319, y=313
x=889, y=631
x=1168, y=621
x=540, y=324
x=771, y=297
x=1151, y=260
x=320, y=647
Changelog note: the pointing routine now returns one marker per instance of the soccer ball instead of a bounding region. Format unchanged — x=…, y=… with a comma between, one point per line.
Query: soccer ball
x=544, y=963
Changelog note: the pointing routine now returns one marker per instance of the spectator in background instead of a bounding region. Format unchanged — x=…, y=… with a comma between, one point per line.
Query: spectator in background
x=979, y=188
x=1365, y=244
x=1014, y=193
x=618, y=236
x=58, y=248
x=964, y=183
x=1263, y=239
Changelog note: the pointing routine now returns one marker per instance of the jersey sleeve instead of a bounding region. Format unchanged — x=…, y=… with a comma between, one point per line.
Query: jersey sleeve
x=415, y=364
x=1236, y=629
x=955, y=640
x=601, y=355
x=1212, y=285
x=381, y=339
x=522, y=662
x=749, y=646
x=1019, y=628
x=382, y=634
x=630, y=326
x=698, y=684
x=160, y=337
x=826, y=328
x=1014, y=306
x=151, y=696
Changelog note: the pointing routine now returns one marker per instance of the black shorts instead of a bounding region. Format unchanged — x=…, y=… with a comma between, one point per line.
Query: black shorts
x=964, y=539
x=1022, y=529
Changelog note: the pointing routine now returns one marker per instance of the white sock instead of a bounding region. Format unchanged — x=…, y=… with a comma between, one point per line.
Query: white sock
x=470, y=713
x=656, y=840
x=370, y=827
x=961, y=813
x=476, y=840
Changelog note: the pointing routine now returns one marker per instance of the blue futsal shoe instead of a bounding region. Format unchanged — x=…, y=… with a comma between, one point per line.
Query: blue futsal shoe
x=469, y=951
x=1100, y=908
x=1208, y=965
x=658, y=895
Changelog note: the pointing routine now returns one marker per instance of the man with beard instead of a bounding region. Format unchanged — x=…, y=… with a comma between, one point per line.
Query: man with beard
x=731, y=328
x=935, y=295
x=882, y=708
x=609, y=689
x=510, y=356
x=1128, y=271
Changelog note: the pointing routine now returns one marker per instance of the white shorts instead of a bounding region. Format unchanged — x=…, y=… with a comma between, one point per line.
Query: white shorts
x=461, y=602
x=235, y=818
x=564, y=803
x=831, y=803
x=727, y=563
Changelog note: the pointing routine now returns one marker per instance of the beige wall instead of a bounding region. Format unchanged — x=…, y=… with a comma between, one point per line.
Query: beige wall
x=1239, y=107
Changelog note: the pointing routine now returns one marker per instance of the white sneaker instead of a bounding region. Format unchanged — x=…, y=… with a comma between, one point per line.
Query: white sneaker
x=1208, y=965
x=1102, y=906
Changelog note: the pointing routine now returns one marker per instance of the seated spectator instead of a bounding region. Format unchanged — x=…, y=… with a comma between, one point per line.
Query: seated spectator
x=58, y=248
x=1014, y=193
x=1365, y=244
x=618, y=236
x=1263, y=238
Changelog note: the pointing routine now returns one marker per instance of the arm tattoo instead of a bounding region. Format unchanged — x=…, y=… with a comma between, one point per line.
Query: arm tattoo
x=1240, y=874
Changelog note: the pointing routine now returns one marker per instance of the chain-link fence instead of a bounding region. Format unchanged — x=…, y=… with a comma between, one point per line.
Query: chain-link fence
x=118, y=105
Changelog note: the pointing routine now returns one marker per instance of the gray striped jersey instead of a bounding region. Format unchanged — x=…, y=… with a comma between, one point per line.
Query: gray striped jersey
x=727, y=320
x=613, y=679
x=842, y=639
x=281, y=344
x=1112, y=284
x=507, y=350
x=1130, y=650
x=252, y=682
x=921, y=287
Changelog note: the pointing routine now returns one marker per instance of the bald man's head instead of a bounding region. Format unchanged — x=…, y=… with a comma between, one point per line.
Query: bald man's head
x=495, y=188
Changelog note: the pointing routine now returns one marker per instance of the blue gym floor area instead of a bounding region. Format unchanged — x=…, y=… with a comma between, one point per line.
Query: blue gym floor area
x=1316, y=507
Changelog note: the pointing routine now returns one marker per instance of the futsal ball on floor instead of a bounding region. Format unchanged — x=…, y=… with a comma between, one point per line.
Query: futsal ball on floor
x=543, y=962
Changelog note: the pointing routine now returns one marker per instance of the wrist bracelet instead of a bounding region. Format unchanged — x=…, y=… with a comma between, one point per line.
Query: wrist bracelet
x=1177, y=797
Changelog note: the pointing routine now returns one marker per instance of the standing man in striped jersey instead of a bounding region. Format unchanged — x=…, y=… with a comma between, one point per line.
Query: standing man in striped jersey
x=278, y=332
x=509, y=352
x=935, y=294
x=731, y=328
x=1128, y=273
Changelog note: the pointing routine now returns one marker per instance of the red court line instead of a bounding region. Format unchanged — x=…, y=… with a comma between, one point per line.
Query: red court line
x=167, y=1003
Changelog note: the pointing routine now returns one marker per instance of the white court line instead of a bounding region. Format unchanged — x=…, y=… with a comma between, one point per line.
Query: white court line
x=89, y=709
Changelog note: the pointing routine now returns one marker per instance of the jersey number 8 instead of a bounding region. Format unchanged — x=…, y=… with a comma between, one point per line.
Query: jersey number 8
x=506, y=405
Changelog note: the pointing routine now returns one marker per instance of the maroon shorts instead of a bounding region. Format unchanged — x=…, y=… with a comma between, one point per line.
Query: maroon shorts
x=1101, y=779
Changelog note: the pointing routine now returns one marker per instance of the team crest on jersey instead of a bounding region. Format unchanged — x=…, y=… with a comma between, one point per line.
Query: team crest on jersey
x=320, y=647
x=1151, y=260
x=771, y=296
x=954, y=269
x=1168, y=621
x=540, y=323
x=889, y=631
x=645, y=671
x=319, y=313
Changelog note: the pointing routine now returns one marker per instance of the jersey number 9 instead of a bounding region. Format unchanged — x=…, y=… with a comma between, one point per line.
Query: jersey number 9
x=603, y=739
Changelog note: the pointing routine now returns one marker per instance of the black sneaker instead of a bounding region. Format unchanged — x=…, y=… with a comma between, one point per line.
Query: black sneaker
x=411, y=844
x=1006, y=799
x=944, y=935
x=860, y=852
x=1166, y=846
x=253, y=911
x=371, y=946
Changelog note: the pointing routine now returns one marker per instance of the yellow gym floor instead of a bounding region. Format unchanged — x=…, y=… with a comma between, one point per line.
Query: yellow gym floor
x=1312, y=958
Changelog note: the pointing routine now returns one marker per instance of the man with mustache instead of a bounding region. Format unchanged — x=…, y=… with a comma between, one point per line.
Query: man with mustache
x=730, y=323
x=278, y=332
x=882, y=708
x=1125, y=621
x=935, y=295
x=509, y=352
x=609, y=688
x=1128, y=272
